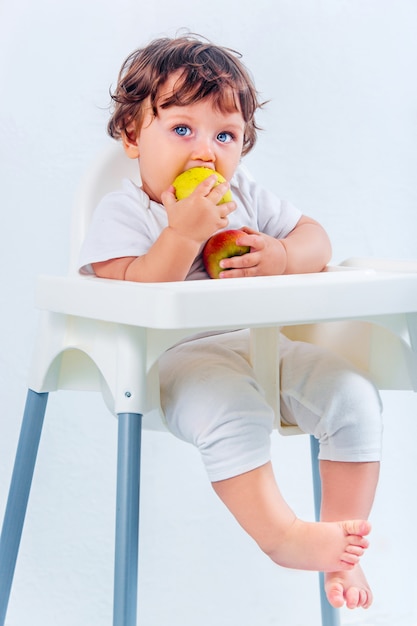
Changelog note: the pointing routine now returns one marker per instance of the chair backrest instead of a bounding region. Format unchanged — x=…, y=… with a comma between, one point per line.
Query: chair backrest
x=104, y=175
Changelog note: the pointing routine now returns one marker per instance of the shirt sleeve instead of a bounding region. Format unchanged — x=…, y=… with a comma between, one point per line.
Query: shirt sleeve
x=261, y=209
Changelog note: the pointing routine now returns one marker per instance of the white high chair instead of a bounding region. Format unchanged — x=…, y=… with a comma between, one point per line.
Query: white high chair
x=107, y=336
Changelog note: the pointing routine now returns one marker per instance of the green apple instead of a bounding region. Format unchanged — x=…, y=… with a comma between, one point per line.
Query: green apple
x=221, y=245
x=186, y=182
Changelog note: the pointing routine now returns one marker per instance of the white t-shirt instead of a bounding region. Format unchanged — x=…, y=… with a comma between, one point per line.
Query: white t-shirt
x=127, y=222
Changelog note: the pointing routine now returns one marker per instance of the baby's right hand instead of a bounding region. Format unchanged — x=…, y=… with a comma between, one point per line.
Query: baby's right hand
x=199, y=215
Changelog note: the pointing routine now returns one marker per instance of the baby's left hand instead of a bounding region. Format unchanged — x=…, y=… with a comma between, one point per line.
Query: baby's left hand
x=267, y=256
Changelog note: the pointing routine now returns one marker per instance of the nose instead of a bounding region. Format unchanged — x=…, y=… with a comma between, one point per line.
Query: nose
x=203, y=150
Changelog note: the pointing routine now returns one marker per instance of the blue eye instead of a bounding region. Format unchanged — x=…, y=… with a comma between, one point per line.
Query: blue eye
x=182, y=131
x=224, y=137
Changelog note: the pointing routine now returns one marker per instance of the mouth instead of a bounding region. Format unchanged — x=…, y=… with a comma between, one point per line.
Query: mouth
x=209, y=166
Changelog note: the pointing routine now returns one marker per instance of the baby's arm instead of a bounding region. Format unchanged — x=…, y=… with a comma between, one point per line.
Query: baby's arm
x=191, y=222
x=305, y=249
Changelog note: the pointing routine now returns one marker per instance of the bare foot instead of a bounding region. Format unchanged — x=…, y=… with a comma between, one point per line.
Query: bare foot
x=350, y=587
x=322, y=546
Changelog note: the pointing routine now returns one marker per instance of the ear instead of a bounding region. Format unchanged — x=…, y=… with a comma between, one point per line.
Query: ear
x=129, y=139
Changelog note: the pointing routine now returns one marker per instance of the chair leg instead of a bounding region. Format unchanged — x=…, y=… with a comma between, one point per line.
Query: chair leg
x=127, y=519
x=14, y=516
x=329, y=615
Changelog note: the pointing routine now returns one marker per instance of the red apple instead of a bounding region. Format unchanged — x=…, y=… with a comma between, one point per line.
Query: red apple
x=220, y=246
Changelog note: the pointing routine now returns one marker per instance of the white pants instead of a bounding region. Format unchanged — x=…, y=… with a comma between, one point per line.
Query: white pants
x=211, y=398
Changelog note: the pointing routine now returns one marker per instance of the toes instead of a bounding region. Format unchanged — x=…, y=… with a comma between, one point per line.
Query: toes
x=368, y=599
x=357, y=541
x=348, y=587
x=349, y=560
x=357, y=527
x=356, y=550
x=365, y=598
x=352, y=597
x=358, y=598
x=335, y=595
x=360, y=541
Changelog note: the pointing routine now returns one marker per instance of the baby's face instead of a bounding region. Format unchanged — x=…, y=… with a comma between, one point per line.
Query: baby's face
x=181, y=137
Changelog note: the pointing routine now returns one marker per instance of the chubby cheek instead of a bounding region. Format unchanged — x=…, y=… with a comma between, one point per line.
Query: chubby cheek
x=228, y=168
x=155, y=181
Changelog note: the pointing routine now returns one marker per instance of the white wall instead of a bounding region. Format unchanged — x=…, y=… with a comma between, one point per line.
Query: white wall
x=340, y=142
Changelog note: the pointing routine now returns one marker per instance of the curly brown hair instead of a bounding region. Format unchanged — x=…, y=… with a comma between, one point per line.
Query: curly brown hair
x=205, y=71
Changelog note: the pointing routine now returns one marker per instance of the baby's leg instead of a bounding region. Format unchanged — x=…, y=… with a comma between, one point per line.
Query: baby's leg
x=336, y=404
x=257, y=504
x=348, y=489
x=211, y=399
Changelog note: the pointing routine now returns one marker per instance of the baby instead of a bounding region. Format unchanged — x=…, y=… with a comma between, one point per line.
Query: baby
x=181, y=103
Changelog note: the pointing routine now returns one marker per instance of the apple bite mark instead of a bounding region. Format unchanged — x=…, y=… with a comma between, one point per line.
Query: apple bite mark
x=220, y=246
x=186, y=182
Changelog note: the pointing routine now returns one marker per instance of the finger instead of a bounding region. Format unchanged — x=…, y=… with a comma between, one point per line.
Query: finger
x=218, y=191
x=245, y=272
x=249, y=231
x=252, y=238
x=227, y=208
x=243, y=261
x=168, y=198
x=254, y=241
x=223, y=221
x=206, y=186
